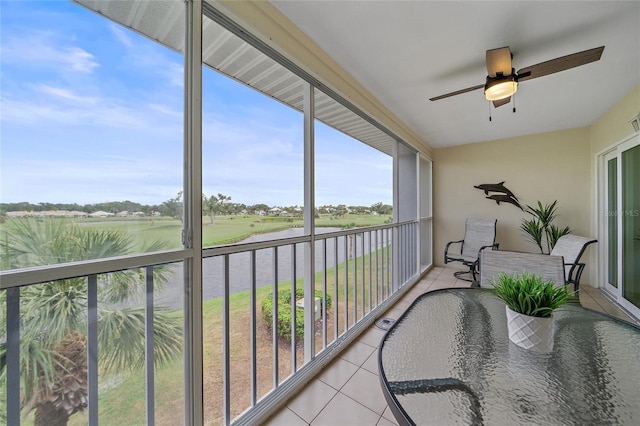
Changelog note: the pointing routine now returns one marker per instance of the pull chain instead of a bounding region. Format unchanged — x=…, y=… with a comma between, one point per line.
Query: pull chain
x=514, y=103
x=489, y=110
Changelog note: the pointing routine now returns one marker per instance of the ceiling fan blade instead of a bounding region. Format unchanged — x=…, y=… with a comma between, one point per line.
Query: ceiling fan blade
x=560, y=64
x=457, y=92
x=499, y=61
x=501, y=102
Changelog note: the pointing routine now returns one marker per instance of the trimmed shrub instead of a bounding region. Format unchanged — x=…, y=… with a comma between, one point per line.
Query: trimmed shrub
x=284, y=311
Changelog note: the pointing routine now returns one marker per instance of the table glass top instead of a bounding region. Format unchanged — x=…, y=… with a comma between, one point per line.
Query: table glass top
x=448, y=360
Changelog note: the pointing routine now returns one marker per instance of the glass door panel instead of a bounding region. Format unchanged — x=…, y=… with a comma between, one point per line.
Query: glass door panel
x=612, y=222
x=630, y=215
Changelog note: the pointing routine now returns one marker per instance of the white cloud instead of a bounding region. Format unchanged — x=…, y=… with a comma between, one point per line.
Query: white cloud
x=121, y=35
x=47, y=49
x=65, y=94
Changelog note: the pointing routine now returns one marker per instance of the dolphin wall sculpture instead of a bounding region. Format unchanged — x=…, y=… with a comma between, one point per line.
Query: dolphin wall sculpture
x=505, y=199
x=495, y=187
x=503, y=195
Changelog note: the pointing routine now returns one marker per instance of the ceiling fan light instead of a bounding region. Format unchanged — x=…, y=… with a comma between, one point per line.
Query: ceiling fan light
x=500, y=88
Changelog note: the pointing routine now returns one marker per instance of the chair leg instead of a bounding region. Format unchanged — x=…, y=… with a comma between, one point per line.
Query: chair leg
x=458, y=274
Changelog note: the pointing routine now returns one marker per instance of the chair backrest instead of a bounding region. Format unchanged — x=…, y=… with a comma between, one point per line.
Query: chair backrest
x=571, y=247
x=477, y=234
x=493, y=262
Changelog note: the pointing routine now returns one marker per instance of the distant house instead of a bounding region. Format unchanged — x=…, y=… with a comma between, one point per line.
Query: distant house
x=18, y=214
x=101, y=214
x=123, y=213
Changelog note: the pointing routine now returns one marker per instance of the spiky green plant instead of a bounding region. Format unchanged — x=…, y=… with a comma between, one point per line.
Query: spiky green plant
x=530, y=294
x=540, y=230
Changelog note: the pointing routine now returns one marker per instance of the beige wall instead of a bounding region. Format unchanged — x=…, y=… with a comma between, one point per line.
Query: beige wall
x=550, y=166
x=613, y=126
x=546, y=167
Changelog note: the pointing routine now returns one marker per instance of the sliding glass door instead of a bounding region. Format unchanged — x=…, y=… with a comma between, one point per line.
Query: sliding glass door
x=620, y=226
x=610, y=242
x=630, y=219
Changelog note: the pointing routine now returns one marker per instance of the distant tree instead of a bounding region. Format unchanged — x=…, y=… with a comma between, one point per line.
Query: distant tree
x=341, y=210
x=217, y=204
x=256, y=208
x=172, y=207
x=222, y=203
x=381, y=208
x=209, y=206
x=358, y=209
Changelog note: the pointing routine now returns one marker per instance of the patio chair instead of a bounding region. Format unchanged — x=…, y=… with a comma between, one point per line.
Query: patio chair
x=571, y=247
x=493, y=263
x=479, y=234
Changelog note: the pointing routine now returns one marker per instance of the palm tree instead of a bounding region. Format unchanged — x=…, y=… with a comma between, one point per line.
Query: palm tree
x=53, y=316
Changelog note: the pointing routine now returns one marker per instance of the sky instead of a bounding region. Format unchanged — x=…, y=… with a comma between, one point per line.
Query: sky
x=93, y=112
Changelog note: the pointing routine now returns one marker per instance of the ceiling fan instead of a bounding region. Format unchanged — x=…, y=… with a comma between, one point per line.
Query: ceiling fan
x=502, y=81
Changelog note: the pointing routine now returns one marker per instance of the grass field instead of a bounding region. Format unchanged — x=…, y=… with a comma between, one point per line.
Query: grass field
x=223, y=230
x=123, y=404
x=122, y=397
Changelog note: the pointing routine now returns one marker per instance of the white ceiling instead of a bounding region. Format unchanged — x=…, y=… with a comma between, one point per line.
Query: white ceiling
x=405, y=52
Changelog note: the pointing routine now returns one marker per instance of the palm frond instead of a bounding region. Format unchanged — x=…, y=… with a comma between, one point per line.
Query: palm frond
x=123, y=331
x=554, y=233
x=533, y=230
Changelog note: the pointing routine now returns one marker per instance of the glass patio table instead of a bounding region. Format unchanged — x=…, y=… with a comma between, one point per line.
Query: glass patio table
x=448, y=360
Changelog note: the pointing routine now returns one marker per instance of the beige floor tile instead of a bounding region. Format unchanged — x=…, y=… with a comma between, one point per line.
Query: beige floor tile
x=357, y=353
x=384, y=422
x=286, y=417
x=364, y=387
x=447, y=276
x=617, y=312
x=439, y=285
x=344, y=411
x=403, y=304
x=591, y=304
x=372, y=336
x=389, y=416
x=338, y=373
x=371, y=364
x=312, y=400
x=394, y=313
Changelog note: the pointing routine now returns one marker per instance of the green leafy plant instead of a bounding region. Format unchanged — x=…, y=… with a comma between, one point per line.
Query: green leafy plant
x=530, y=294
x=284, y=311
x=540, y=230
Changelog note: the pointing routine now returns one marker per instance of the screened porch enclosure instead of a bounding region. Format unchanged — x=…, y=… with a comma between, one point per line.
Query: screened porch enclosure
x=222, y=333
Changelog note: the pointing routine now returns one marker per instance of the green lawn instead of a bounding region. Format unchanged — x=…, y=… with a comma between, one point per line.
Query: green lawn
x=122, y=397
x=223, y=230
x=124, y=403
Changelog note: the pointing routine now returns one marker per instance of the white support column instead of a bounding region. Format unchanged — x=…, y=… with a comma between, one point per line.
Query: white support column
x=192, y=231
x=309, y=223
x=395, y=246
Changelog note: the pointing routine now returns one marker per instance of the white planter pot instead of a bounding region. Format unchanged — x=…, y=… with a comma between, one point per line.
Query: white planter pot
x=532, y=333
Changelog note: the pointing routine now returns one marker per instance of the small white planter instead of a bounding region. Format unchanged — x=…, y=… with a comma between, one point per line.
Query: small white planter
x=532, y=333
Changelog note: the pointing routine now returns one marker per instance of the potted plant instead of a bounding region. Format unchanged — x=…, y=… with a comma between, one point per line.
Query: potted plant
x=539, y=229
x=530, y=302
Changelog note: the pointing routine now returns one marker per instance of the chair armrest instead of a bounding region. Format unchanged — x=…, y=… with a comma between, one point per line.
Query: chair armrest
x=446, y=248
x=493, y=247
x=575, y=272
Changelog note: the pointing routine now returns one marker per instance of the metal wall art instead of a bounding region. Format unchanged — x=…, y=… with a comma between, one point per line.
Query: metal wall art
x=502, y=194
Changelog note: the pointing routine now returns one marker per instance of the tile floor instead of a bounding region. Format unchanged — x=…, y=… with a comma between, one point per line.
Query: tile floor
x=348, y=392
